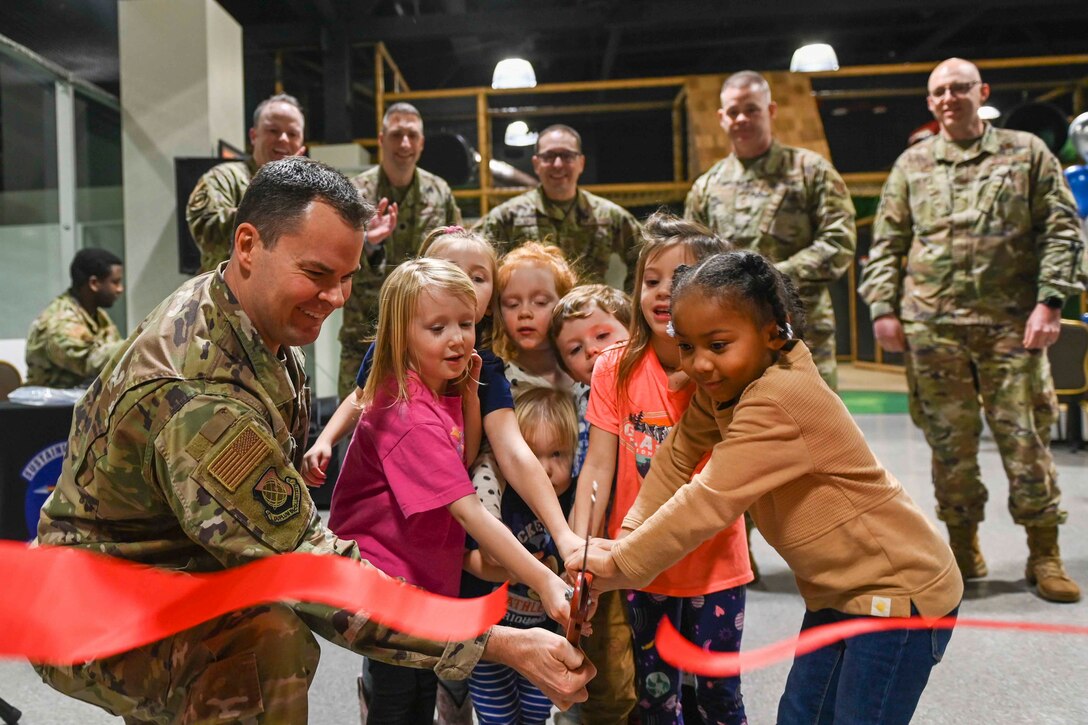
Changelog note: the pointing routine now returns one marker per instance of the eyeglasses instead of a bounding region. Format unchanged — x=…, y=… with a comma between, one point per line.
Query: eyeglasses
x=567, y=157
x=957, y=89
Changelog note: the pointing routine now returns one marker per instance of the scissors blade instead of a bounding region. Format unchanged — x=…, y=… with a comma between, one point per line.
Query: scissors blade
x=589, y=525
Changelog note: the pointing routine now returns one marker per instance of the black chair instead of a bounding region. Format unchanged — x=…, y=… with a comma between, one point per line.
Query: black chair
x=1069, y=366
x=9, y=713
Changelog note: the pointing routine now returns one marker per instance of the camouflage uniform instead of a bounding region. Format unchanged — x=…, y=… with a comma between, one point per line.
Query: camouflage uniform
x=183, y=456
x=589, y=233
x=211, y=209
x=66, y=347
x=791, y=206
x=428, y=203
x=985, y=232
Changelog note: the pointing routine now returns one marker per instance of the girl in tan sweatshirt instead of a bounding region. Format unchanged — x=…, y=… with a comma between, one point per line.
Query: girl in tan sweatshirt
x=784, y=447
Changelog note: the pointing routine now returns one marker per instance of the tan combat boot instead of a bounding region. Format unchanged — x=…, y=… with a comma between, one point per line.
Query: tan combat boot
x=963, y=538
x=1045, y=568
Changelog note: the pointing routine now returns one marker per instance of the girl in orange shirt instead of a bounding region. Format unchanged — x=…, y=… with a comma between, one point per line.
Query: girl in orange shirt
x=638, y=393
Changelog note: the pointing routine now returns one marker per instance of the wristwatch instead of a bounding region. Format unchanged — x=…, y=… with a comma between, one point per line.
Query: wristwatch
x=370, y=249
x=1054, y=303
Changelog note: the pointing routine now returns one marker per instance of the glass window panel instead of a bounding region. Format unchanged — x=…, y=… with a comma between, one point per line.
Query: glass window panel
x=30, y=239
x=99, y=195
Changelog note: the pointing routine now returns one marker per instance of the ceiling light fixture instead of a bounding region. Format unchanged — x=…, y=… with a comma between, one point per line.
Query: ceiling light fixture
x=513, y=73
x=988, y=113
x=518, y=134
x=814, y=57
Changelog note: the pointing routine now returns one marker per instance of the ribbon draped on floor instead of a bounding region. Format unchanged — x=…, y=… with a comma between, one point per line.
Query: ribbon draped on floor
x=689, y=657
x=63, y=605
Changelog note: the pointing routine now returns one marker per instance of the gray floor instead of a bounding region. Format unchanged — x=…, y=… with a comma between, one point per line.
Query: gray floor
x=986, y=677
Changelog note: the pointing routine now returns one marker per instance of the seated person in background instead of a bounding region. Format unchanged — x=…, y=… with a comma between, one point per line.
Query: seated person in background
x=73, y=338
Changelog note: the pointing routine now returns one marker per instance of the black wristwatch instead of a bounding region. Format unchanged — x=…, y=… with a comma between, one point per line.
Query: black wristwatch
x=1054, y=303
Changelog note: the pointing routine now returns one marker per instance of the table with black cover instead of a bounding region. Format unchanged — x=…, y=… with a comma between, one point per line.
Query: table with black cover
x=33, y=442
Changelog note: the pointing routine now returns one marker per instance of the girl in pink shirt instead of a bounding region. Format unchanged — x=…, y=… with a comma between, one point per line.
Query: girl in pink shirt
x=404, y=494
x=638, y=393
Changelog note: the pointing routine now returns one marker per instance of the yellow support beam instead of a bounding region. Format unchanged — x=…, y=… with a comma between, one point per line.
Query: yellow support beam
x=892, y=69
x=573, y=87
x=483, y=147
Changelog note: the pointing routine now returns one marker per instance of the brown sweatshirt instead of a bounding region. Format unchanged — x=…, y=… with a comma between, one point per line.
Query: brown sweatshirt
x=789, y=452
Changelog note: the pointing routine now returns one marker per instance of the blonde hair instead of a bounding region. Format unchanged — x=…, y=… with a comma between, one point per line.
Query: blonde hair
x=396, y=309
x=530, y=254
x=452, y=235
x=661, y=231
x=547, y=410
x=580, y=302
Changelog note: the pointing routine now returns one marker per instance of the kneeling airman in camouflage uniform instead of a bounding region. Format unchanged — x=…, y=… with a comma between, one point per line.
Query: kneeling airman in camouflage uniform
x=183, y=455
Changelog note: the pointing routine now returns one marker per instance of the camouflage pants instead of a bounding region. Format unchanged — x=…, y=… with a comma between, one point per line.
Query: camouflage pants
x=820, y=340
x=820, y=333
x=359, y=325
x=952, y=367
x=251, y=666
x=612, y=691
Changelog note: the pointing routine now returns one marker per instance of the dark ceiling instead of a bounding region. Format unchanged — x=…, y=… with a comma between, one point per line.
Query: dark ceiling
x=450, y=43
x=323, y=50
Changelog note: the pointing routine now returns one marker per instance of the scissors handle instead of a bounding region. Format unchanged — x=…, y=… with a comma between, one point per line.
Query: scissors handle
x=579, y=607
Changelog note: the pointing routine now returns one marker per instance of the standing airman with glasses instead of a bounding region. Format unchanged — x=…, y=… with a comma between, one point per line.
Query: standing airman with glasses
x=593, y=232
x=975, y=248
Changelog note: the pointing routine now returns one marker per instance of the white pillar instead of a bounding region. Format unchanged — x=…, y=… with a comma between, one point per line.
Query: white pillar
x=181, y=92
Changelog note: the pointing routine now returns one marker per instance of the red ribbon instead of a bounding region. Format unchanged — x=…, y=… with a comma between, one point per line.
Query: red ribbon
x=689, y=657
x=64, y=606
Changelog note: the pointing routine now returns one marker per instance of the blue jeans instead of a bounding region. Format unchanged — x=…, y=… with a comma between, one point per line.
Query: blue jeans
x=873, y=678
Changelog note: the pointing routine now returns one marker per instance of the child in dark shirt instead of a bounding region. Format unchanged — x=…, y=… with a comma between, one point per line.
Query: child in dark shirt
x=549, y=423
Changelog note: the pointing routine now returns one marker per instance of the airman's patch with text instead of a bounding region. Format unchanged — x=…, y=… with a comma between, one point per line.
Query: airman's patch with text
x=279, y=495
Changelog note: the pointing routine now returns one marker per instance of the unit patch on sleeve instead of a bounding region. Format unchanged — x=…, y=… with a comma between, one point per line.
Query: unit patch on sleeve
x=279, y=495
